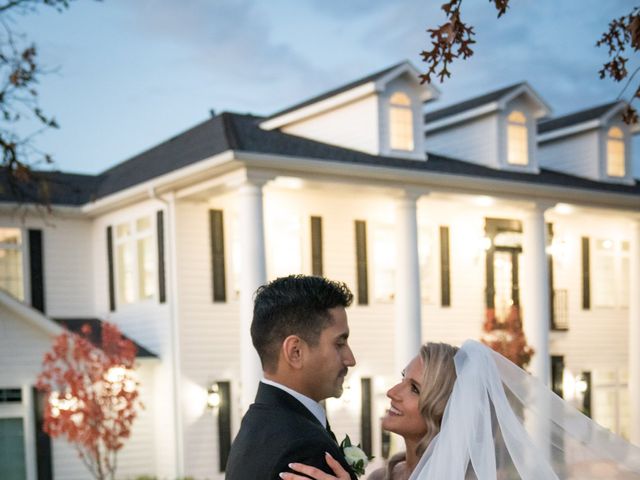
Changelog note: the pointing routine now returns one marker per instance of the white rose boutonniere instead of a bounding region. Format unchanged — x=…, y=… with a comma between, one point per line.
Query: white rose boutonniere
x=355, y=456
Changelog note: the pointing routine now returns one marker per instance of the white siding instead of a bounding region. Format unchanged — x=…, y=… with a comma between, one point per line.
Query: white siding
x=575, y=155
x=22, y=348
x=67, y=252
x=475, y=141
x=145, y=321
x=354, y=125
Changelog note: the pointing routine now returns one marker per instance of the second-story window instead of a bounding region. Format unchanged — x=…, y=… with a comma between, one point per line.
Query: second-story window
x=400, y=122
x=615, y=153
x=135, y=262
x=11, y=276
x=517, y=139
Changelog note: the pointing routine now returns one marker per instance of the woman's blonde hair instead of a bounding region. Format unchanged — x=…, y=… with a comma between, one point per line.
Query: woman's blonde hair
x=438, y=377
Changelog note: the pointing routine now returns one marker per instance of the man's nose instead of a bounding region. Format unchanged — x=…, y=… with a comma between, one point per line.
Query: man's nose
x=349, y=360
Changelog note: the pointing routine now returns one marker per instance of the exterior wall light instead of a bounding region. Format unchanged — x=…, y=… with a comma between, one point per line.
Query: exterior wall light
x=213, y=396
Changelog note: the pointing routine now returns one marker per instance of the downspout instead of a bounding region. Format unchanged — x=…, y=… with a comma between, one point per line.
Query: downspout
x=174, y=343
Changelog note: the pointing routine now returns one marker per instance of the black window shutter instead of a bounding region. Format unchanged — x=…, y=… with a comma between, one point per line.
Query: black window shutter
x=445, y=268
x=365, y=415
x=217, y=256
x=162, y=285
x=224, y=423
x=36, y=267
x=361, y=262
x=586, y=278
x=112, y=280
x=43, y=442
x=316, y=246
x=557, y=373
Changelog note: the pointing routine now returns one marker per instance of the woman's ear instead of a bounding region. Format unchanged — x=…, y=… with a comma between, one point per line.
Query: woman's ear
x=292, y=351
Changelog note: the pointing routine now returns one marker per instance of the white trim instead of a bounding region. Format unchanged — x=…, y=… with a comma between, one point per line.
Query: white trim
x=543, y=110
x=29, y=425
x=566, y=131
x=30, y=314
x=174, y=179
x=388, y=178
x=320, y=106
x=428, y=92
x=461, y=117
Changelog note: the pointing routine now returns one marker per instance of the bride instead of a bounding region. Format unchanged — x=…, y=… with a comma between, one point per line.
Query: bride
x=472, y=414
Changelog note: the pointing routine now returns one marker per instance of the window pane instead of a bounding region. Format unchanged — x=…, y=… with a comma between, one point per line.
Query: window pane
x=615, y=158
x=400, y=98
x=384, y=258
x=428, y=279
x=12, y=459
x=517, y=117
x=123, y=230
x=11, y=272
x=126, y=288
x=286, y=247
x=603, y=274
x=146, y=277
x=10, y=236
x=143, y=224
x=517, y=149
x=401, y=125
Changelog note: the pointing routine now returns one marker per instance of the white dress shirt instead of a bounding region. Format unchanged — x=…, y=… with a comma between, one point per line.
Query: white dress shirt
x=314, y=407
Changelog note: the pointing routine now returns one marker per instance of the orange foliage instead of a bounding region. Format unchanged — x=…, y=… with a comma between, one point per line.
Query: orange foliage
x=507, y=338
x=93, y=395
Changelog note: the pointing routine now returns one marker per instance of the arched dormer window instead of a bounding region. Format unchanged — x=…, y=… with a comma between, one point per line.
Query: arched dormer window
x=400, y=122
x=517, y=139
x=615, y=153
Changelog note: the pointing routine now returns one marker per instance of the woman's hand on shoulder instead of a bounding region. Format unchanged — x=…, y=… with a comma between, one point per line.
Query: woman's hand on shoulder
x=315, y=473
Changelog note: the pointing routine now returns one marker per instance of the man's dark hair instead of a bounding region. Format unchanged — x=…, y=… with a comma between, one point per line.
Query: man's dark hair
x=293, y=305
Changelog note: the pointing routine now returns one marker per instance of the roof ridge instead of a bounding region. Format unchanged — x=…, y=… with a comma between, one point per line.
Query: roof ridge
x=230, y=133
x=336, y=90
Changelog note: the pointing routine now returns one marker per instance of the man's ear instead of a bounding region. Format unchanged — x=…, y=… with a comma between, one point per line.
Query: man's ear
x=292, y=351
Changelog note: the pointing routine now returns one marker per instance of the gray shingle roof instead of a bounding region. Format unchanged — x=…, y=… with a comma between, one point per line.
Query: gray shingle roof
x=574, y=118
x=230, y=131
x=57, y=188
x=361, y=81
x=470, y=104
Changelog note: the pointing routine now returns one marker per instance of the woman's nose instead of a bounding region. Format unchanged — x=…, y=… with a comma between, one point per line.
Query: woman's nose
x=392, y=393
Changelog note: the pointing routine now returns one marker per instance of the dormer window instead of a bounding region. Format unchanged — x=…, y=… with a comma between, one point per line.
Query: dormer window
x=615, y=153
x=401, y=122
x=517, y=142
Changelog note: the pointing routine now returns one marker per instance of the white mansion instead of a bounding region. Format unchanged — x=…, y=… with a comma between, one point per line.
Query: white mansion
x=431, y=219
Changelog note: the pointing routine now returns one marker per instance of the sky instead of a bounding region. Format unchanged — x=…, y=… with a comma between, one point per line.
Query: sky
x=125, y=75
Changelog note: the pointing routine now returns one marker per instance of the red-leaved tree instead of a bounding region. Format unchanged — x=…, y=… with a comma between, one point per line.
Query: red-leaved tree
x=507, y=337
x=92, y=395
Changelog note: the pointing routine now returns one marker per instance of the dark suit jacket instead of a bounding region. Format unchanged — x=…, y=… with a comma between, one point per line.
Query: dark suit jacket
x=277, y=430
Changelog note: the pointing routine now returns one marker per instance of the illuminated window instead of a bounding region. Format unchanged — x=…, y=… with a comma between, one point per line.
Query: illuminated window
x=610, y=273
x=384, y=263
x=615, y=153
x=401, y=122
x=11, y=278
x=517, y=141
x=286, y=246
x=611, y=400
x=135, y=260
x=428, y=264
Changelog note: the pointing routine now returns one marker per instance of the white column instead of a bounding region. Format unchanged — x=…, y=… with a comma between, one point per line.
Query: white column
x=408, y=331
x=634, y=332
x=535, y=295
x=253, y=274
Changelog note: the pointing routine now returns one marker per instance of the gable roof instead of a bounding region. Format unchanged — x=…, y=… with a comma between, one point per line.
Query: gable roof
x=471, y=103
x=242, y=132
x=575, y=118
x=331, y=93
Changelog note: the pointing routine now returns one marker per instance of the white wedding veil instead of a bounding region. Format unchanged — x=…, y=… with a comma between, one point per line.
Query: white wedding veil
x=502, y=423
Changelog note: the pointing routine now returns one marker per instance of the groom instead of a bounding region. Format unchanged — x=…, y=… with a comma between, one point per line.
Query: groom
x=300, y=331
